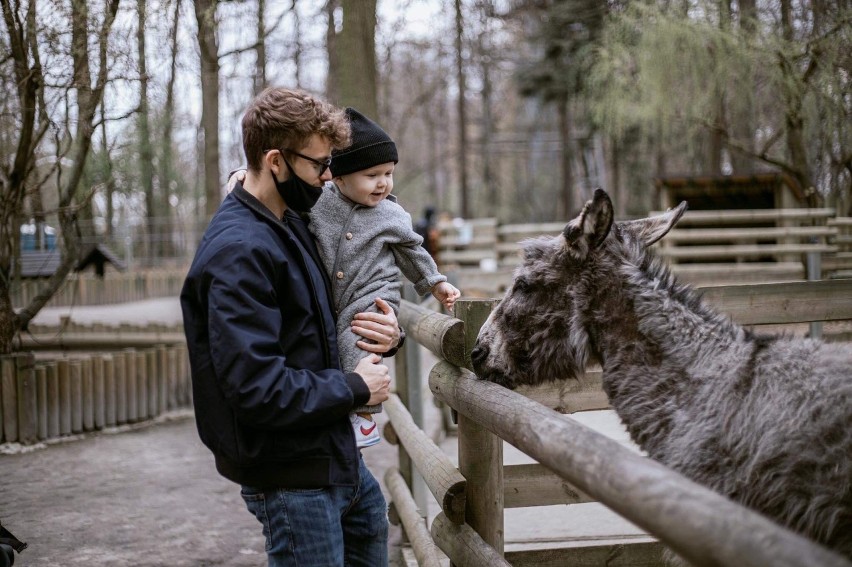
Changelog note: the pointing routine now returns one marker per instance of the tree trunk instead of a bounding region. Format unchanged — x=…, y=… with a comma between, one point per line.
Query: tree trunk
x=260, y=49
x=146, y=154
x=461, y=152
x=205, y=14
x=110, y=181
x=490, y=182
x=332, y=80
x=167, y=172
x=567, y=201
x=793, y=119
x=356, y=45
x=742, y=119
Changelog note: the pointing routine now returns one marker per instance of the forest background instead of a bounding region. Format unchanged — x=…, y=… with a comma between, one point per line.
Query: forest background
x=119, y=119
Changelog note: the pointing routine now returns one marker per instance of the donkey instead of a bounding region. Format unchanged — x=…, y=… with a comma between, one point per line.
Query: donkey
x=765, y=420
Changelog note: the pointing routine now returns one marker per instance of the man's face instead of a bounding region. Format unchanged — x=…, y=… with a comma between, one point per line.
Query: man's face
x=310, y=163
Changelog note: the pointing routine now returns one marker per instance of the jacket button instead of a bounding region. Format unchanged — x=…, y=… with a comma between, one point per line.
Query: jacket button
x=348, y=236
x=340, y=275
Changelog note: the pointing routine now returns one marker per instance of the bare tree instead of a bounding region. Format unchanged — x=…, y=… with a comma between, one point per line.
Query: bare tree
x=16, y=173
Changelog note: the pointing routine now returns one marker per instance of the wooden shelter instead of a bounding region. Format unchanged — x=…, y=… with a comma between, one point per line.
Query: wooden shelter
x=724, y=192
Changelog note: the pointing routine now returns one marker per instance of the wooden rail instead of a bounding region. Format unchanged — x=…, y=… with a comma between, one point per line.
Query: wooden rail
x=721, y=247
x=577, y=465
x=114, y=287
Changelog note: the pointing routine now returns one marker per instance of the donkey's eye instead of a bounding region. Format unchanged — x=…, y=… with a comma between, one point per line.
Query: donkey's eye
x=521, y=284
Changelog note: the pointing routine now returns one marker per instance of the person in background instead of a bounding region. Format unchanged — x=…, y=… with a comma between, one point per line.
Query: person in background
x=271, y=400
x=365, y=239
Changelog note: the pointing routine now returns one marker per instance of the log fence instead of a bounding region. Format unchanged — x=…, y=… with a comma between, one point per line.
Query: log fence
x=44, y=396
x=113, y=287
x=574, y=463
x=720, y=247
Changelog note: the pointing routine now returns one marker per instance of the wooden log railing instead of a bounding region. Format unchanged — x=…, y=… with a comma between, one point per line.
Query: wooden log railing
x=46, y=398
x=718, y=247
x=576, y=464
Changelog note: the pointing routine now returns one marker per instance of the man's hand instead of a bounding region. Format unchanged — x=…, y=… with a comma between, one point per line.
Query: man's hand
x=376, y=377
x=239, y=175
x=381, y=328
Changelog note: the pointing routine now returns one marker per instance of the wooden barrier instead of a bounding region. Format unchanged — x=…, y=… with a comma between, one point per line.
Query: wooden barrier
x=83, y=392
x=113, y=287
x=719, y=247
x=414, y=524
x=578, y=465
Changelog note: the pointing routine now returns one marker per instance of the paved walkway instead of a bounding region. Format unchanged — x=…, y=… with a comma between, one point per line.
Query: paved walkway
x=139, y=496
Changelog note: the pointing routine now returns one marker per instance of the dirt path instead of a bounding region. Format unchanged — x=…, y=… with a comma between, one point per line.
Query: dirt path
x=149, y=496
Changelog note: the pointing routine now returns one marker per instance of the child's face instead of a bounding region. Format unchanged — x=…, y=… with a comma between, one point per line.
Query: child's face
x=368, y=186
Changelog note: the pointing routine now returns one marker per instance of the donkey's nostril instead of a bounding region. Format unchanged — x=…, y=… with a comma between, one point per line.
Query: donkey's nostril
x=478, y=354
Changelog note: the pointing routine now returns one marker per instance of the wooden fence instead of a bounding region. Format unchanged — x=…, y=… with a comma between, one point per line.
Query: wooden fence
x=576, y=464
x=114, y=287
x=706, y=248
x=45, y=397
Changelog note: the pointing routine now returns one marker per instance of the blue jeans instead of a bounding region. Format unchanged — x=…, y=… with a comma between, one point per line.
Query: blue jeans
x=334, y=526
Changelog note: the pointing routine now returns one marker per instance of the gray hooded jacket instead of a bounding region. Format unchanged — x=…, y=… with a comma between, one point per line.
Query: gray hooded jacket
x=363, y=250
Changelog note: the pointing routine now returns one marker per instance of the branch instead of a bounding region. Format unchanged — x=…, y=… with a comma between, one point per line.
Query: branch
x=258, y=42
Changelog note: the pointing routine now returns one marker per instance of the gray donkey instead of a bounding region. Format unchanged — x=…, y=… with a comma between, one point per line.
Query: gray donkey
x=765, y=420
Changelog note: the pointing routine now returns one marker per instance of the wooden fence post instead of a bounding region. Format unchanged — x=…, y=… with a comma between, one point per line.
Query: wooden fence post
x=110, y=391
x=53, y=403
x=173, y=377
x=162, y=378
x=75, y=373
x=88, y=394
x=64, y=374
x=480, y=451
x=99, y=390
x=153, y=381
x=41, y=397
x=132, y=389
x=27, y=398
x=120, y=369
x=141, y=385
x=9, y=395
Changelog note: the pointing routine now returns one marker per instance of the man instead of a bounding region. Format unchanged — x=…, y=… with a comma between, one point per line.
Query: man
x=271, y=402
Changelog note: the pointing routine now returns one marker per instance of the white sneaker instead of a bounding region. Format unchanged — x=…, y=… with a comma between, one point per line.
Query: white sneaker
x=366, y=431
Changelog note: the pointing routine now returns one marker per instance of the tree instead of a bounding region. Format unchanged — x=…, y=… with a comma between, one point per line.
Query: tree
x=355, y=53
x=667, y=72
x=19, y=170
x=208, y=45
x=567, y=33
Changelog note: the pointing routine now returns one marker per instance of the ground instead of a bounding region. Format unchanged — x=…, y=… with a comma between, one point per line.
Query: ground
x=149, y=496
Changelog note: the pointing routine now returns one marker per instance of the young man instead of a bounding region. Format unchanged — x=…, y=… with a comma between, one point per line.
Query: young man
x=271, y=402
x=365, y=240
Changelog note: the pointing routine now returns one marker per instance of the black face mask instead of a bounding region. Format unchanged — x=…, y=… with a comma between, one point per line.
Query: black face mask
x=296, y=192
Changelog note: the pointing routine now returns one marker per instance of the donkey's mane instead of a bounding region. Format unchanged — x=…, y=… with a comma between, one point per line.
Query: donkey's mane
x=654, y=283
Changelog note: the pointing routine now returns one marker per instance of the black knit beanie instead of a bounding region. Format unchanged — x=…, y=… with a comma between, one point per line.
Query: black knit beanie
x=370, y=146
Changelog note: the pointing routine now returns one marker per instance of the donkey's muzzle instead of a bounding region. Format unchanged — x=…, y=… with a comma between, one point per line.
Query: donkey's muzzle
x=478, y=356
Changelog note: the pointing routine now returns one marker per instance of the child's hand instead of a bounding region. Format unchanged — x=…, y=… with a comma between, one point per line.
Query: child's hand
x=446, y=293
x=239, y=175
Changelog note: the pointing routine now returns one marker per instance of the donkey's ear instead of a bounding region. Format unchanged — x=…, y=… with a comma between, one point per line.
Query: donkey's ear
x=590, y=228
x=650, y=230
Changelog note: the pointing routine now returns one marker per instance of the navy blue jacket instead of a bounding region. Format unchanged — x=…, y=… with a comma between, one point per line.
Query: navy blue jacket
x=270, y=399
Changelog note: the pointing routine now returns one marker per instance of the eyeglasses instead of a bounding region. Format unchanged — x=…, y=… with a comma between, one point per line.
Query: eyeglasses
x=321, y=165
